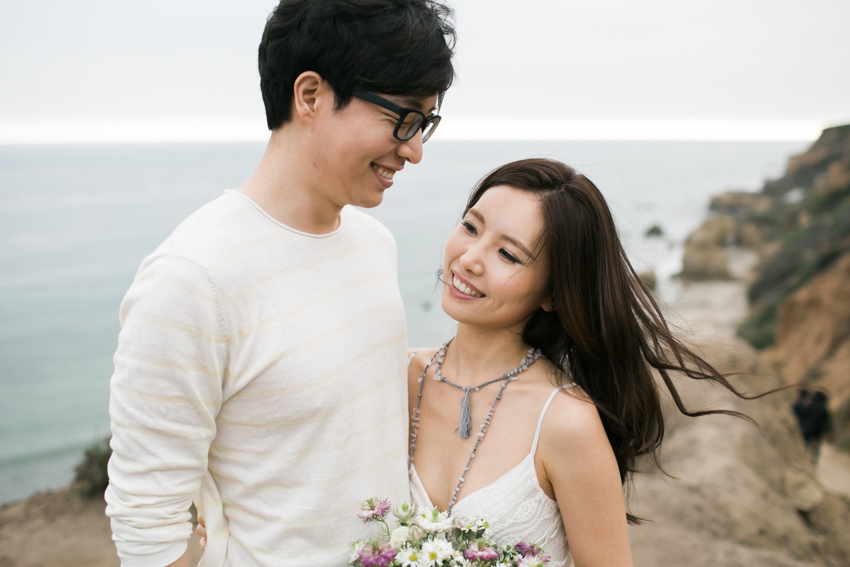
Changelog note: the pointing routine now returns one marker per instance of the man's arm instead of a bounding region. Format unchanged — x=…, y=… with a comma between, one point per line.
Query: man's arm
x=165, y=395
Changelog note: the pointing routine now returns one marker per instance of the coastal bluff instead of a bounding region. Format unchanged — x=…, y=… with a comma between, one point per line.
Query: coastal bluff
x=745, y=495
x=798, y=294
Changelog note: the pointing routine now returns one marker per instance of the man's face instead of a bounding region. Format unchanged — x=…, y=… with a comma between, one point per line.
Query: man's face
x=359, y=156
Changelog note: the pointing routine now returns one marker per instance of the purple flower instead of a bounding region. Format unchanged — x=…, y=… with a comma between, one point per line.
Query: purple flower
x=382, y=508
x=522, y=548
x=476, y=551
x=527, y=550
x=376, y=554
x=531, y=551
x=372, y=509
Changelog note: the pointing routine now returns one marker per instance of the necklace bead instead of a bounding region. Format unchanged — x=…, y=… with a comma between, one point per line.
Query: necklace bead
x=437, y=360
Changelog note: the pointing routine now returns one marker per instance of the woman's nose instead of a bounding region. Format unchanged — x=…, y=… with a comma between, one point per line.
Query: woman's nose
x=472, y=259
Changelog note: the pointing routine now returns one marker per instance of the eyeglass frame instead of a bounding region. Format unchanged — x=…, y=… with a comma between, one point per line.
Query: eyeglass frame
x=402, y=114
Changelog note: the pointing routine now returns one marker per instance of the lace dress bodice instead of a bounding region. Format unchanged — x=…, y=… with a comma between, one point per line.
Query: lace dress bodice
x=516, y=506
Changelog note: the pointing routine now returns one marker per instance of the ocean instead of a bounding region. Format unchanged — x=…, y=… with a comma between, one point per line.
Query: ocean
x=76, y=221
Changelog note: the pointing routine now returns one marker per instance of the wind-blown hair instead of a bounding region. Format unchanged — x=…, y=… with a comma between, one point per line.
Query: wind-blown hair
x=397, y=47
x=606, y=332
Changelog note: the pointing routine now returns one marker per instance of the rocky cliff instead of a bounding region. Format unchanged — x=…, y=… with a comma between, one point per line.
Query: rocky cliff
x=812, y=340
x=800, y=294
x=800, y=301
x=805, y=230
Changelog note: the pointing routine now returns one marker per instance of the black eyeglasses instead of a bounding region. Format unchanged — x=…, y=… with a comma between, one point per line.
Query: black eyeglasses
x=409, y=119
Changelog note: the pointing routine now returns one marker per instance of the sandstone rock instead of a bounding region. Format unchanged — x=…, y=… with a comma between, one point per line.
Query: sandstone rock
x=740, y=203
x=832, y=144
x=804, y=169
x=836, y=176
x=812, y=341
x=718, y=230
x=802, y=490
x=648, y=277
x=739, y=489
x=750, y=235
x=704, y=262
x=705, y=257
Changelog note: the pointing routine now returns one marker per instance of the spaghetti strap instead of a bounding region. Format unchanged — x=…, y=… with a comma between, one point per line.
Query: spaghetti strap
x=411, y=355
x=543, y=413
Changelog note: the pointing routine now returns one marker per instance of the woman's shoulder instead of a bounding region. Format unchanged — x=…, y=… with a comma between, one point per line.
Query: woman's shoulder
x=421, y=354
x=572, y=421
x=418, y=359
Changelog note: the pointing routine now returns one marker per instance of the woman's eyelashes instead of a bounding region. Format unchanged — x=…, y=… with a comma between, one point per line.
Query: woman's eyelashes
x=470, y=228
x=509, y=257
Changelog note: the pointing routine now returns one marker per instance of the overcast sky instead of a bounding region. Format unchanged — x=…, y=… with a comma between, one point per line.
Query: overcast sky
x=185, y=70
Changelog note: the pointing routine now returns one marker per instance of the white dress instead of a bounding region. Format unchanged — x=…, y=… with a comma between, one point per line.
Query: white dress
x=516, y=506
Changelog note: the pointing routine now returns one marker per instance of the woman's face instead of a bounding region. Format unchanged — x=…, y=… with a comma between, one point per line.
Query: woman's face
x=495, y=271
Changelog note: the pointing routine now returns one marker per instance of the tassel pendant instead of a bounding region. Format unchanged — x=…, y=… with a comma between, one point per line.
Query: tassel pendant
x=465, y=419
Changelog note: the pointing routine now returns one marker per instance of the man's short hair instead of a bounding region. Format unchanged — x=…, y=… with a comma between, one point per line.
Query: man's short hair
x=396, y=47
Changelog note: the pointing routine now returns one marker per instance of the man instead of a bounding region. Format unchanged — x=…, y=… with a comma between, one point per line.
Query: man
x=261, y=365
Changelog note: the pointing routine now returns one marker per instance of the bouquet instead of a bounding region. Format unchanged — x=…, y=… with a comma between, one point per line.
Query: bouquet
x=430, y=538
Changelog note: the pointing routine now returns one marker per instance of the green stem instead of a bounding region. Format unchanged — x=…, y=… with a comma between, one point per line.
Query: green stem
x=386, y=527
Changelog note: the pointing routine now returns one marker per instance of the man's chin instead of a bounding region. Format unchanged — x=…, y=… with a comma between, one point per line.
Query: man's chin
x=371, y=201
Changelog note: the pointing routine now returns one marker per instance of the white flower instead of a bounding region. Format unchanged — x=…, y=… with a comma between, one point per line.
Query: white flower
x=416, y=532
x=356, y=547
x=433, y=520
x=399, y=536
x=409, y=557
x=464, y=524
x=481, y=522
x=444, y=548
x=404, y=512
x=530, y=562
x=436, y=551
x=475, y=523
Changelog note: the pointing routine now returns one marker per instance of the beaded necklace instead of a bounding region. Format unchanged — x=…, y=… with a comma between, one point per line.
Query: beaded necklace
x=465, y=419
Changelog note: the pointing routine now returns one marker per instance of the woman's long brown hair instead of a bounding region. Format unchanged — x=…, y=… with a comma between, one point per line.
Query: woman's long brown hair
x=606, y=332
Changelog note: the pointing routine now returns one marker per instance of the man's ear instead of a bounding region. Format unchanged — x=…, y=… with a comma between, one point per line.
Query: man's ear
x=309, y=94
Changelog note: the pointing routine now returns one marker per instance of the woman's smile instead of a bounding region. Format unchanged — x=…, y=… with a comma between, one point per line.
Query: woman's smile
x=464, y=288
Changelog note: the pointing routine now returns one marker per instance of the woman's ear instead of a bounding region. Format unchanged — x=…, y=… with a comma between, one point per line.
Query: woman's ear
x=548, y=304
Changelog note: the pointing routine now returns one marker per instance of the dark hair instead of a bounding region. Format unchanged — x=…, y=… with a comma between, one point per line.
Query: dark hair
x=400, y=47
x=606, y=333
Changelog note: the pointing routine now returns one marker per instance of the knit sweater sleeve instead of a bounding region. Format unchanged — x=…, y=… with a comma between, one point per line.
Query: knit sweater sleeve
x=164, y=397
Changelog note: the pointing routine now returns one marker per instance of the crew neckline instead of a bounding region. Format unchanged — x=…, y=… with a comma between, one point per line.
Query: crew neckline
x=285, y=226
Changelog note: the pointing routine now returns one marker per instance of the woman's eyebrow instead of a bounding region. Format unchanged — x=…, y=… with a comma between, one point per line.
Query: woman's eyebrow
x=519, y=245
x=510, y=239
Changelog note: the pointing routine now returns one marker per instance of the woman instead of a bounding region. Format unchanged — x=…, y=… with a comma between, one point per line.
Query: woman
x=556, y=342
x=535, y=412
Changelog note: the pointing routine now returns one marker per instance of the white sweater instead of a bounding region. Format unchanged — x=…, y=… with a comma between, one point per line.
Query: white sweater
x=261, y=371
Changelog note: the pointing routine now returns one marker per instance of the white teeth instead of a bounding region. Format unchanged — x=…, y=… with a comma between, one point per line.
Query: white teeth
x=385, y=173
x=461, y=287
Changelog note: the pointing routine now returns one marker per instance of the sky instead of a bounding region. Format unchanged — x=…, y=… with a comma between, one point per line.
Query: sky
x=101, y=71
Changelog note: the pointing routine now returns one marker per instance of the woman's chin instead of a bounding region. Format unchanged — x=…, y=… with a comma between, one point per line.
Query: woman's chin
x=457, y=309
